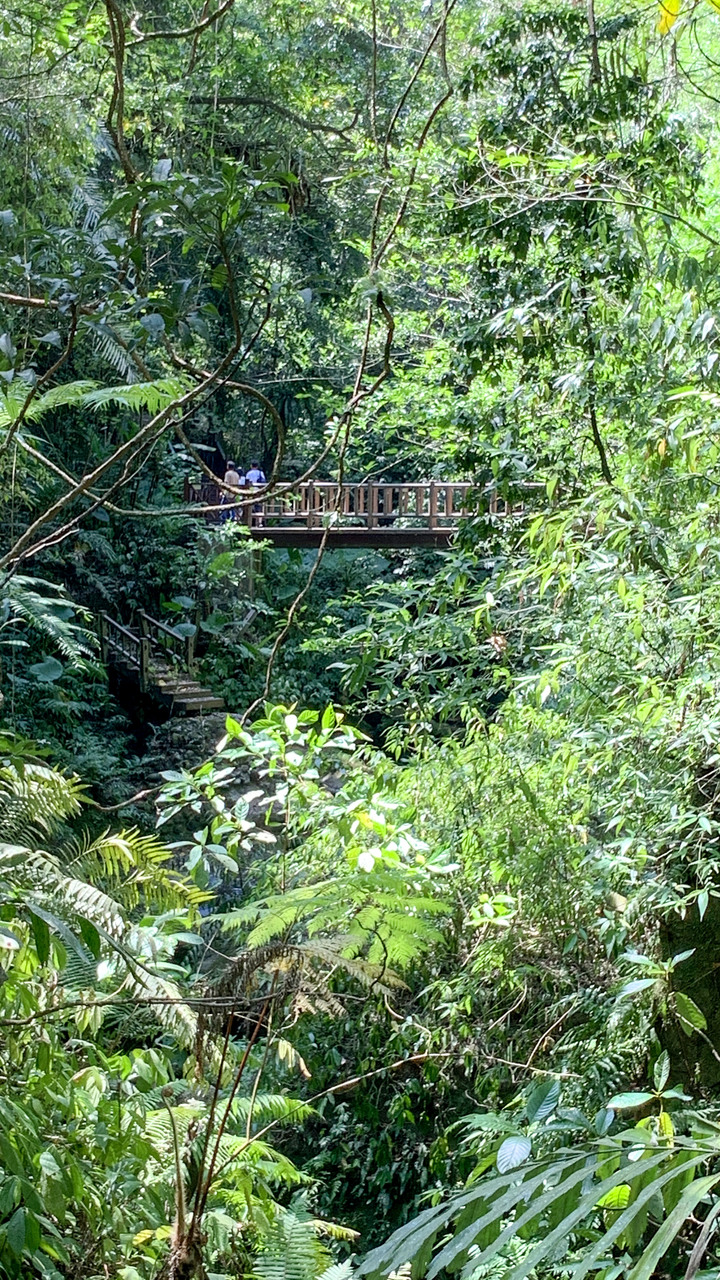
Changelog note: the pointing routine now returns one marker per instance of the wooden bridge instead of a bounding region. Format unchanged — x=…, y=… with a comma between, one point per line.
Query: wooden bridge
x=158, y=661
x=358, y=515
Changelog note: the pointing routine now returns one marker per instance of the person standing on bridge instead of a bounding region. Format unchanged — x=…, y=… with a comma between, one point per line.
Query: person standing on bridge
x=234, y=481
x=256, y=475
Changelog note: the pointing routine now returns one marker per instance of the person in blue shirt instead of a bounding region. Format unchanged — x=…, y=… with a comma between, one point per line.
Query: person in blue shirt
x=256, y=475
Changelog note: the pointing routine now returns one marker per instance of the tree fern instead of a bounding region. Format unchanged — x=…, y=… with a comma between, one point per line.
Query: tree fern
x=82, y=891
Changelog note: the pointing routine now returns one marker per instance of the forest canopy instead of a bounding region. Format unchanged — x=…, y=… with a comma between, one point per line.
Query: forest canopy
x=359, y=662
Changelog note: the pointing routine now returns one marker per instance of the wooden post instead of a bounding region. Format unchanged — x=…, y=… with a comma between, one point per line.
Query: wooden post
x=432, y=517
x=310, y=504
x=190, y=651
x=144, y=662
x=103, y=635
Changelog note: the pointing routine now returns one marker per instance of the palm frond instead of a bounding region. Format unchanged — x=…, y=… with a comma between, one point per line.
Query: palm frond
x=545, y=1202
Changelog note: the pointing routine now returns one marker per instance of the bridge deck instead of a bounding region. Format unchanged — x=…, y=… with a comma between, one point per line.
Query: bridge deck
x=359, y=515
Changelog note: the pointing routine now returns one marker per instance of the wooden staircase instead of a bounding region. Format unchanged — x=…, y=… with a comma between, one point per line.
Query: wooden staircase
x=159, y=661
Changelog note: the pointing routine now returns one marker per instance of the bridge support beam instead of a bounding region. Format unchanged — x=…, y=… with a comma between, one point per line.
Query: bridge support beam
x=378, y=538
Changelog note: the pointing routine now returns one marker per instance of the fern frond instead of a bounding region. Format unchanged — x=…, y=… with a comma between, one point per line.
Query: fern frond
x=13, y=398
x=117, y=356
x=272, y=1106
x=35, y=800
x=292, y=1251
x=151, y=396
x=133, y=866
x=339, y=1271
x=50, y=615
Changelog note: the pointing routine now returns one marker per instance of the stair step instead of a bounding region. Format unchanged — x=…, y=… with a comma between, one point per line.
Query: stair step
x=209, y=703
x=171, y=683
x=177, y=686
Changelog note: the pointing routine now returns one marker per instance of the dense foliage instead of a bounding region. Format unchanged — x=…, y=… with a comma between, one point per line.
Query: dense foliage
x=407, y=962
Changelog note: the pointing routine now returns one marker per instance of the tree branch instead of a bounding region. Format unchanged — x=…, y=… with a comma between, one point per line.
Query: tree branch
x=142, y=37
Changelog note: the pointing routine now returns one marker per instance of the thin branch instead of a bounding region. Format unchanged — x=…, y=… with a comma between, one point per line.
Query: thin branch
x=64, y=355
x=411, y=83
x=116, y=110
x=240, y=100
x=45, y=304
x=203, y=1192
x=701, y=1244
x=142, y=37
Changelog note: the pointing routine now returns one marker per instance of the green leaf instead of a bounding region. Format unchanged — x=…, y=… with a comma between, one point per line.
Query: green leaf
x=48, y=671
x=603, y=1121
x=618, y=1198
x=10, y=1157
x=543, y=1100
x=623, y=1101
x=691, y=1018
x=90, y=936
x=15, y=1232
x=41, y=934
x=637, y=984
x=661, y=1070
x=513, y=1151
x=32, y=1232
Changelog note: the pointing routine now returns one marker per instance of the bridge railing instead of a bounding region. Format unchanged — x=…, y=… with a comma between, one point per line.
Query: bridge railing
x=431, y=504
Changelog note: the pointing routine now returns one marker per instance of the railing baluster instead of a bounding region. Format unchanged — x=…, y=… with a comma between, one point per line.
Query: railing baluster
x=432, y=514
x=372, y=505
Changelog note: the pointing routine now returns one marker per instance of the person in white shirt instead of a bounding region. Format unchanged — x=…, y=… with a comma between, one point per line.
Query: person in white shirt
x=234, y=480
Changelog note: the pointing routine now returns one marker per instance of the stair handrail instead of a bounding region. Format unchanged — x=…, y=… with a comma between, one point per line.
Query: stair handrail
x=158, y=633
x=136, y=649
